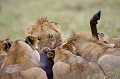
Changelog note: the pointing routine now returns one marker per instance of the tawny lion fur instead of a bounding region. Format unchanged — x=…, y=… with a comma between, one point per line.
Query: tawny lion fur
x=94, y=50
x=69, y=66
x=22, y=61
x=87, y=46
x=47, y=32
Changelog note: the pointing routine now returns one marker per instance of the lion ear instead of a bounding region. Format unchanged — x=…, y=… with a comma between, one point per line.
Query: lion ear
x=69, y=47
x=5, y=46
x=32, y=41
x=101, y=34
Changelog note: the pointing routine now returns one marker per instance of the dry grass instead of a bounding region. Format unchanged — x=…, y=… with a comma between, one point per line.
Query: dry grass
x=17, y=15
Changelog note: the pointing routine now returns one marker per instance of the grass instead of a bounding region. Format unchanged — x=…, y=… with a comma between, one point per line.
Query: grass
x=17, y=15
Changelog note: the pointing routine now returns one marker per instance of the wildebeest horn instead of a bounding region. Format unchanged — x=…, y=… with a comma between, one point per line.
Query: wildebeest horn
x=93, y=23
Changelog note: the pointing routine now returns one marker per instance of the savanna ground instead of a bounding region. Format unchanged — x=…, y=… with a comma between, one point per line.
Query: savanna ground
x=17, y=15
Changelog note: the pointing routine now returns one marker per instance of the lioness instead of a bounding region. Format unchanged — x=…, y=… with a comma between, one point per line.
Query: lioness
x=95, y=50
x=49, y=35
x=69, y=66
x=22, y=61
x=47, y=32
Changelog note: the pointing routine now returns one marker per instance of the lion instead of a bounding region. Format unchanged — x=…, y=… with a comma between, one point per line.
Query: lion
x=48, y=33
x=87, y=46
x=22, y=61
x=69, y=66
x=94, y=50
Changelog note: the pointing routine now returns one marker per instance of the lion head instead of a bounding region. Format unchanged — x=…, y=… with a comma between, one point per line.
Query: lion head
x=48, y=33
x=115, y=42
x=2, y=43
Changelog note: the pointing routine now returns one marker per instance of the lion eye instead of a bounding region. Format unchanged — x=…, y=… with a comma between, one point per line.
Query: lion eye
x=54, y=22
x=38, y=38
x=105, y=42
